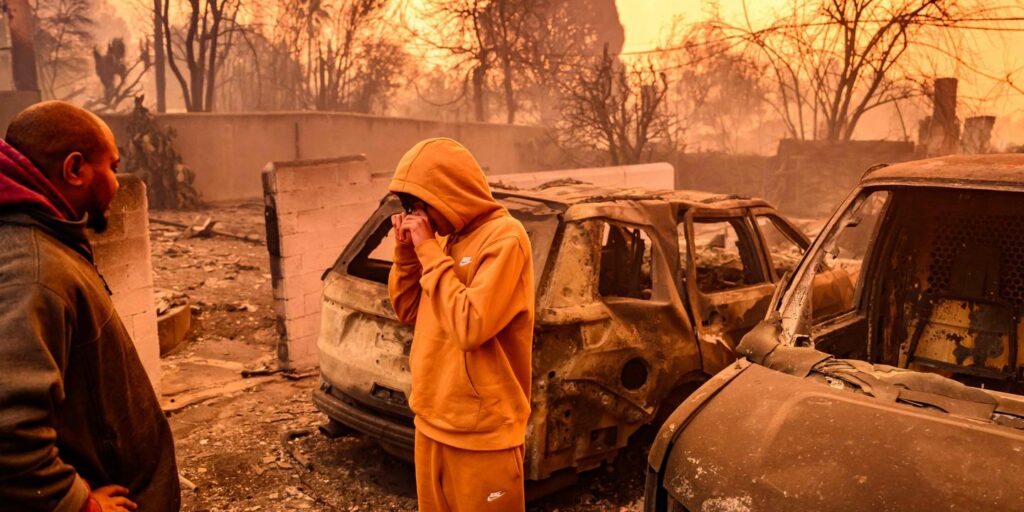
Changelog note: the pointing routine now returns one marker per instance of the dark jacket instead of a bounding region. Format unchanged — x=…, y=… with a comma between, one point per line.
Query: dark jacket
x=76, y=405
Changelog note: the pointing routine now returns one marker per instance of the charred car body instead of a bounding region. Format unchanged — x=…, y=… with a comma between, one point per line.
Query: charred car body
x=640, y=295
x=898, y=394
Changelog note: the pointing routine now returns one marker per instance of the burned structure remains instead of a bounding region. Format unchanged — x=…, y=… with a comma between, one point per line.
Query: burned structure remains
x=641, y=295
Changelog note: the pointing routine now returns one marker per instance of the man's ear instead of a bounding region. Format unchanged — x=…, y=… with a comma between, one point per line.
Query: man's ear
x=72, y=171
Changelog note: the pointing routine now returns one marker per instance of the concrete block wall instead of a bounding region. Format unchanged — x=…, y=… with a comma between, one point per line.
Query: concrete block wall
x=226, y=151
x=315, y=207
x=124, y=259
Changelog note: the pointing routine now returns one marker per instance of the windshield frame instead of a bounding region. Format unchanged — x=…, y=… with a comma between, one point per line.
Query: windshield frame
x=792, y=305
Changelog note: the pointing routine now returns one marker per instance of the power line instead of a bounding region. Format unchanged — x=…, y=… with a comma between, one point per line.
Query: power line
x=950, y=24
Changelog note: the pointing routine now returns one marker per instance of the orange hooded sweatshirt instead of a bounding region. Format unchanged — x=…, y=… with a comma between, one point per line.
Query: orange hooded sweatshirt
x=471, y=298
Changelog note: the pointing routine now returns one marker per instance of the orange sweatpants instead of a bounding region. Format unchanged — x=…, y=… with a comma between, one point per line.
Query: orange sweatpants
x=457, y=480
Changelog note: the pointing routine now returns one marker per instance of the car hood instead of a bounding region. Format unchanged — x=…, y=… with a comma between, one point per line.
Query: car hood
x=795, y=428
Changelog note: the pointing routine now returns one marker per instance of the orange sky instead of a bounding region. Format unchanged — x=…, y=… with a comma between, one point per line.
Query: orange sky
x=997, y=53
x=644, y=21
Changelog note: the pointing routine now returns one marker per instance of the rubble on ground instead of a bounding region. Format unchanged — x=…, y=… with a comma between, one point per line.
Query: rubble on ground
x=246, y=433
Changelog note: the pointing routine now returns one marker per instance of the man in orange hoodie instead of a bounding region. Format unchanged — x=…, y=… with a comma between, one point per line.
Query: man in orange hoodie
x=463, y=274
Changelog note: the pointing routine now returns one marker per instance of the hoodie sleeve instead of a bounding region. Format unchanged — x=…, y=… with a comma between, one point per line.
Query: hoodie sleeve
x=33, y=357
x=404, y=283
x=472, y=314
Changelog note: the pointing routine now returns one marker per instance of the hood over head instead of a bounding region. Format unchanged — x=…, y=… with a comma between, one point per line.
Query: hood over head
x=444, y=174
x=22, y=185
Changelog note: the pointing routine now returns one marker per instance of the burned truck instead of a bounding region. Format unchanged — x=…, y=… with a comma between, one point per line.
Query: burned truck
x=901, y=392
x=640, y=296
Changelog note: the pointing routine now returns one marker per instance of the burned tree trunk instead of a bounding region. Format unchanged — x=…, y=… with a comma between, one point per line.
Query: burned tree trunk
x=23, y=55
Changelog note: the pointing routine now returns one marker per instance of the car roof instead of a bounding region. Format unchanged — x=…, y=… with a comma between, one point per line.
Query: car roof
x=566, y=193
x=957, y=171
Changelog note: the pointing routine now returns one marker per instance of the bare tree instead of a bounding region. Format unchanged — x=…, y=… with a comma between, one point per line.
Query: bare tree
x=564, y=35
x=517, y=51
x=333, y=55
x=21, y=29
x=617, y=108
x=717, y=92
x=120, y=80
x=486, y=40
x=830, y=62
x=207, y=31
x=62, y=42
x=260, y=74
x=351, y=58
x=159, y=58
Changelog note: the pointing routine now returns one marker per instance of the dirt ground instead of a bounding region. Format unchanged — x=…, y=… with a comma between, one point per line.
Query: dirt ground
x=251, y=443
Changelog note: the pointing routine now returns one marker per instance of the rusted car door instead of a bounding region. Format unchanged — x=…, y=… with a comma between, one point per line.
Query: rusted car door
x=613, y=338
x=728, y=279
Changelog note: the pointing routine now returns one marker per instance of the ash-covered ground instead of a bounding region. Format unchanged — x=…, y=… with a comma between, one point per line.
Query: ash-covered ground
x=248, y=443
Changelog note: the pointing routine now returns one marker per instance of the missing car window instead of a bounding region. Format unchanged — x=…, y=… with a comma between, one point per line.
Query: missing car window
x=374, y=259
x=724, y=255
x=625, y=262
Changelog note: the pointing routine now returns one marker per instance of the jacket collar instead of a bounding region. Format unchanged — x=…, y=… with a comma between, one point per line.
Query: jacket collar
x=70, y=233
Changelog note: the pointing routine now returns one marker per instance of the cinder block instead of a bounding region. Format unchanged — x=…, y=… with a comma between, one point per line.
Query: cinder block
x=318, y=177
x=320, y=260
x=122, y=250
x=286, y=266
x=309, y=282
x=302, y=352
x=299, y=243
x=173, y=327
x=303, y=326
x=127, y=277
x=131, y=194
x=317, y=220
x=133, y=302
x=281, y=287
x=148, y=347
x=297, y=201
x=354, y=173
x=336, y=250
x=115, y=229
x=145, y=324
x=290, y=308
x=283, y=180
x=287, y=223
x=311, y=304
x=354, y=194
x=136, y=223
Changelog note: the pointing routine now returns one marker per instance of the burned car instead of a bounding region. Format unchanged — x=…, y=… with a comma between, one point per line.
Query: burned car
x=640, y=296
x=898, y=393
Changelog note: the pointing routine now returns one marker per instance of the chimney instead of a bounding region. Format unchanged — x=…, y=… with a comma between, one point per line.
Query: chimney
x=943, y=132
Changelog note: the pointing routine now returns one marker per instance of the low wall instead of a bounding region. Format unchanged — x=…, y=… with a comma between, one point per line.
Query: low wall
x=723, y=173
x=652, y=176
x=123, y=257
x=315, y=207
x=227, y=151
x=811, y=178
x=804, y=178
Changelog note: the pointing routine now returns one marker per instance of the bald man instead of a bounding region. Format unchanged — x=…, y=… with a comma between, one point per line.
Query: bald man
x=80, y=426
